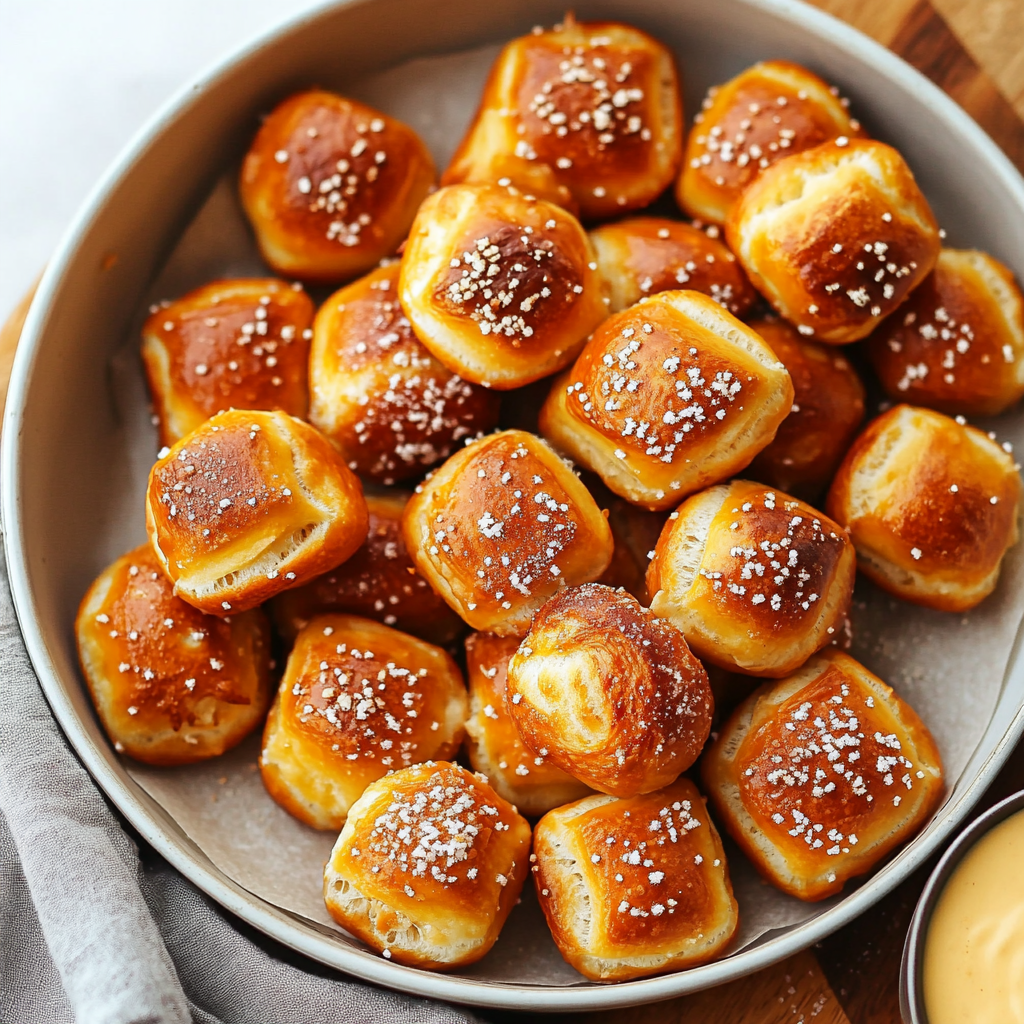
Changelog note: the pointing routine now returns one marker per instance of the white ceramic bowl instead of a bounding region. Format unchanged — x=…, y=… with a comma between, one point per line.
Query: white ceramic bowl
x=64, y=471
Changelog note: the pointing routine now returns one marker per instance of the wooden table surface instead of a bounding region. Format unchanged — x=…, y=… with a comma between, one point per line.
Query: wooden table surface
x=973, y=50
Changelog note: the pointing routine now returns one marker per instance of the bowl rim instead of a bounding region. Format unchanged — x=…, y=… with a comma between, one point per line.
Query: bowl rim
x=912, y=1004
x=309, y=938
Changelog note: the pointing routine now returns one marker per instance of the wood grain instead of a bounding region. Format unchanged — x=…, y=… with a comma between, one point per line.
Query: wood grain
x=992, y=31
x=795, y=990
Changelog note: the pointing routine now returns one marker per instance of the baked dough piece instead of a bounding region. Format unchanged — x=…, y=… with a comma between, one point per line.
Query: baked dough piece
x=596, y=104
x=828, y=409
x=381, y=398
x=239, y=344
x=608, y=692
x=818, y=776
x=331, y=186
x=171, y=685
x=378, y=582
x=758, y=581
x=250, y=504
x=428, y=866
x=668, y=396
x=503, y=288
x=357, y=701
x=503, y=525
x=634, y=886
x=494, y=745
x=931, y=506
x=836, y=237
x=644, y=255
x=771, y=110
x=957, y=344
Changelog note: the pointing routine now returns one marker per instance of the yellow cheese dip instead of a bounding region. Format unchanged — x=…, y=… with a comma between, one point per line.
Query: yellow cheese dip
x=974, y=952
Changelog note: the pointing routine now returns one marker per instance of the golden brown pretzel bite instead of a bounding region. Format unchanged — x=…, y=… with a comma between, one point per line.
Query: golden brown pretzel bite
x=931, y=506
x=957, y=344
x=645, y=255
x=170, y=684
x=836, y=237
x=668, y=396
x=428, y=866
x=819, y=775
x=608, y=692
x=635, y=886
x=382, y=399
x=595, y=106
x=239, y=344
x=250, y=504
x=771, y=110
x=503, y=525
x=501, y=287
x=758, y=581
x=357, y=700
x=331, y=186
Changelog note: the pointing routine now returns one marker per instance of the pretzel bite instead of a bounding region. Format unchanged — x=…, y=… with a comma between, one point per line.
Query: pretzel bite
x=381, y=398
x=428, y=866
x=645, y=255
x=634, y=886
x=170, y=684
x=818, y=776
x=836, y=237
x=771, y=110
x=502, y=526
x=828, y=408
x=957, y=344
x=598, y=104
x=357, y=701
x=931, y=506
x=378, y=582
x=608, y=692
x=756, y=580
x=228, y=345
x=250, y=504
x=668, y=396
x=331, y=186
x=501, y=287
x=493, y=743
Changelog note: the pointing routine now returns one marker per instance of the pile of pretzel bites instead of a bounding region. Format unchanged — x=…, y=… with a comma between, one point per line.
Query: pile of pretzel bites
x=375, y=495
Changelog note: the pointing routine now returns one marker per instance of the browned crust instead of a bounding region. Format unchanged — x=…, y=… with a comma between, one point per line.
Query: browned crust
x=835, y=237
x=170, y=685
x=239, y=344
x=828, y=409
x=957, y=344
x=345, y=192
x=619, y=155
x=941, y=510
x=782, y=856
x=608, y=692
x=247, y=469
x=731, y=143
x=467, y=517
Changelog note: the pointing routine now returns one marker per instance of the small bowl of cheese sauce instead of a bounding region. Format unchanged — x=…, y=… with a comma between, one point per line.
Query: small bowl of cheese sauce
x=963, y=962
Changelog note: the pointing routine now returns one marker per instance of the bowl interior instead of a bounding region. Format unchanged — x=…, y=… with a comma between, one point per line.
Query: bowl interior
x=76, y=446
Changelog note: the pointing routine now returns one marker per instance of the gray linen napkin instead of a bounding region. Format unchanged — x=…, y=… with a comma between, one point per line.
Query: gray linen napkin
x=90, y=932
